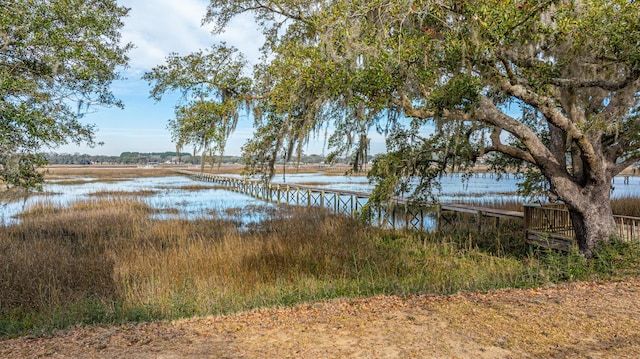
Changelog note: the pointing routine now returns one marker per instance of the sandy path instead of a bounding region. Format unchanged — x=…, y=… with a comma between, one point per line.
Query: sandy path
x=579, y=320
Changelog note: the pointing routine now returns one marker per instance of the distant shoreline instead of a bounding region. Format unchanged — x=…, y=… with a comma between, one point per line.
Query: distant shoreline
x=236, y=168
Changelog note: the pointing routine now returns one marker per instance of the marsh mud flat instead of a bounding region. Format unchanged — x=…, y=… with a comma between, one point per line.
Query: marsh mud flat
x=575, y=320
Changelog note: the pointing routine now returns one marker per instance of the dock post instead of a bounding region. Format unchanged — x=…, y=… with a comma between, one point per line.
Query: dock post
x=393, y=217
x=406, y=216
x=353, y=212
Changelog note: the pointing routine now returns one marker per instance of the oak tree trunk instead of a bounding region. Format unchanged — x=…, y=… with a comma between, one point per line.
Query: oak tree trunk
x=591, y=217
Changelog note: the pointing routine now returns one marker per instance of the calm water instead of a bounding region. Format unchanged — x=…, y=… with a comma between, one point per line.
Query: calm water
x=201, y=203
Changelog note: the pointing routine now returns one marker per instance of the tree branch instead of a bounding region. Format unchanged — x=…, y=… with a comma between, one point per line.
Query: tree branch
x=549, y=109
x=498, y=146
x=276, y=10
x=600, y=83
x=405, y=104
x=539, y=153
x=619, y=167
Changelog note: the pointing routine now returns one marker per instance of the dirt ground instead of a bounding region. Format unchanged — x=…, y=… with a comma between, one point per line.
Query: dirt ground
x=577, y=320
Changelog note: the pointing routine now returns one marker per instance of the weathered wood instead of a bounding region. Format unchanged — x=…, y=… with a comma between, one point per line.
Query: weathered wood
x=553, y=223
x=485, y=211
x=548, y=225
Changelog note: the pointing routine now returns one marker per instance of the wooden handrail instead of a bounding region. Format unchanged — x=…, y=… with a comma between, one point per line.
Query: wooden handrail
x=548, y=224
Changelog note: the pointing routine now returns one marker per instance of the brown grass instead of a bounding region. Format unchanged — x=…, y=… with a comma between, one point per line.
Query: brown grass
x=102, y=172
x=78, y=181
x=140, y=193
x=48, y=263
x=108, y=249
x=12, y=195
x=197, y=187
x=626, y=206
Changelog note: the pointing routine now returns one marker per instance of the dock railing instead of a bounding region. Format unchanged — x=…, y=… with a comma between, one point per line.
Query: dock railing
x=550, y=225
x=398, y=213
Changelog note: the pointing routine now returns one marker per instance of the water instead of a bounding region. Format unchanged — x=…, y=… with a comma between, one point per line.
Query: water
x=202, y=203
x=206, y=203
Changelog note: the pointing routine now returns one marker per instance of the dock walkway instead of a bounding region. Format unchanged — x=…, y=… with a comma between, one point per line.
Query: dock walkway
x=548, y=226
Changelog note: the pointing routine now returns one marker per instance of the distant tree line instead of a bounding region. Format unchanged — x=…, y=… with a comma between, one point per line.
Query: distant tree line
x=124, y=158
x=160, y=157
x=152, y=157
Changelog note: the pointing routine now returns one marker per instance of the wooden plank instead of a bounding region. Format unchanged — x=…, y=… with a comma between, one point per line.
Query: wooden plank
x=554, y=242
x=485, y=211
x=547, y=225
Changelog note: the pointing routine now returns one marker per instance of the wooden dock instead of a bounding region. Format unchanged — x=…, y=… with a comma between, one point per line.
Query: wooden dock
x=548, y=225
x=397, y=214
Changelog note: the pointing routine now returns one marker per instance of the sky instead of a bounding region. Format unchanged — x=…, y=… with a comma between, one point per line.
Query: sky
x=158, y=28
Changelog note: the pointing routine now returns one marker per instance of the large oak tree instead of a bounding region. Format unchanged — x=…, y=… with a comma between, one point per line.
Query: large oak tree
x=551, y=87
x=57, y=61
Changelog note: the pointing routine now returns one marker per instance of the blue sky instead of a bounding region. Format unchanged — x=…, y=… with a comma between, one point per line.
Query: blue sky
x=157, y=28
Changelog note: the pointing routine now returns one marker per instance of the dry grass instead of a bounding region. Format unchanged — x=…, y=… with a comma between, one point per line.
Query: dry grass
x=312, y=183
x=47, y=263
x=109, y=251
x=626, y=206
x=577, y=320
x=65, y=181
x=12, y=195
x=106, y=256
x=62, y=172
x=136, y=194
x=506, y=204
x=197, y=187
x=103, y=172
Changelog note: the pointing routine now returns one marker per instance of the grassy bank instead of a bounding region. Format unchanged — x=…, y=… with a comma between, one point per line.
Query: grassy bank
x=103, y=261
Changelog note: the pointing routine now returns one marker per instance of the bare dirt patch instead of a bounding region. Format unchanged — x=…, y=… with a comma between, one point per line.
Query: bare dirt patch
x=577, y=320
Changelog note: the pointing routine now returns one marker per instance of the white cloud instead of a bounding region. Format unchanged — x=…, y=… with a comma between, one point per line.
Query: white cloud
x=242, y=32
x=160, y=27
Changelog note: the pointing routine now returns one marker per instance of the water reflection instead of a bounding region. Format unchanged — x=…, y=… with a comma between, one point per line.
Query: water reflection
x=169, y=199
x=172, y=198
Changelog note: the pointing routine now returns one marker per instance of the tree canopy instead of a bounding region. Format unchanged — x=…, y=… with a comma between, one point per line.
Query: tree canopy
x=213, y=89
x=57, y=61
x=547, y=87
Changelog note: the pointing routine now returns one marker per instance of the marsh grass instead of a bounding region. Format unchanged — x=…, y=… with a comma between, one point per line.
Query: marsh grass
x=105, y=172
x=104, y=261
x=140, y=193
x=626, y=206
x=195, y=187
x=501, y=203
x=12, y=195
x=79, y=181
x=312, y=183
x=488, y=234
x=480, y=195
